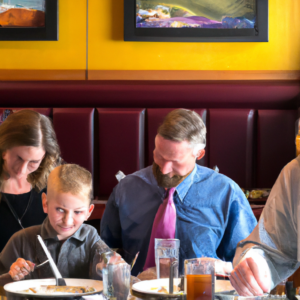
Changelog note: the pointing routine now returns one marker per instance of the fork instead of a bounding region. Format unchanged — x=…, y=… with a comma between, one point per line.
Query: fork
x=40, y=265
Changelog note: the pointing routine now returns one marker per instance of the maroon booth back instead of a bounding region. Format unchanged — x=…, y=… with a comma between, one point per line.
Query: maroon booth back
x=250, y=146
x=120, y=145
x=250, y=125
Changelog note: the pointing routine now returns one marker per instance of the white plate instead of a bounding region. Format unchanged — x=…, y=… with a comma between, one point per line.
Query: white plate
x=152, y=286
x=17, y=287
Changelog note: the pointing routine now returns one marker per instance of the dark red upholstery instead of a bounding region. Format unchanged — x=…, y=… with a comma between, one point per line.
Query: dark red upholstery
x=250, y=124
x=155, y=118
x=257, y=211
x=74, y=130
x=275, y=144
x=230, y=142
x=121, y=145
x=152, y=94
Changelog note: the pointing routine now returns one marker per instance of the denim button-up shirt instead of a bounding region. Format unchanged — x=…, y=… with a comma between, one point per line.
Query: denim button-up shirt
x=74, y=257
x=213, y=215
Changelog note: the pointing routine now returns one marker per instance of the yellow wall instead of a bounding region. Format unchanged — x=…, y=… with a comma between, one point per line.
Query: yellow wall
x=108, y=51
x=69, y=53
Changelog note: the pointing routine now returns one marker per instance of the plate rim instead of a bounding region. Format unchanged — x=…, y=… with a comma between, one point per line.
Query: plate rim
x=45, y=295
x=150, y=292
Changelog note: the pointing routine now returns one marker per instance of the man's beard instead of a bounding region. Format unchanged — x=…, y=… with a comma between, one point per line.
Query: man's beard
x=164, y=180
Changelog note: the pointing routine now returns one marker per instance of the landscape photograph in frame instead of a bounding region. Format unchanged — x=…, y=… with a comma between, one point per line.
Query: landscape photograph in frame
x=196, y=20
x=22, y=13
x=217, y=14
x=28, y=20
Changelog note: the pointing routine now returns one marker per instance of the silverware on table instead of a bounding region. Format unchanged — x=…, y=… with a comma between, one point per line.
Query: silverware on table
x=59, y=280
x=173, y=265
x=42, y=264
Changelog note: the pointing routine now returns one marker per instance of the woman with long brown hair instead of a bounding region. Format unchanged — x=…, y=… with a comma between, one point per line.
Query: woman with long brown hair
x=28, y=153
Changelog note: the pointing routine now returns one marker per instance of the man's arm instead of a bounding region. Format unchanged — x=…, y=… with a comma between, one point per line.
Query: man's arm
x=240, y=223
x=111, y=231
x=269, y=254
x=258, y=267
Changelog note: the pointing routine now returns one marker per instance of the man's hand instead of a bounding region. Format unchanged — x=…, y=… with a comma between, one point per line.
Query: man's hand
x=20, y=268
x=251, y=276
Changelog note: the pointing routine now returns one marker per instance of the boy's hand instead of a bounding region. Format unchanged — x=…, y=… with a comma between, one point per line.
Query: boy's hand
x=20, y=268
x=114, y=259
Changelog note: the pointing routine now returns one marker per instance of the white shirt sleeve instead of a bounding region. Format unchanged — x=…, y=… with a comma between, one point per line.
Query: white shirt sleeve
x=277, y=235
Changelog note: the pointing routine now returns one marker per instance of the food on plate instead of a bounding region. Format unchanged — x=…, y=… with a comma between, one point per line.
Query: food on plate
x=254, y=194
x=33, y=290
x=162, y=289
x=52, y=289
x=165, y=290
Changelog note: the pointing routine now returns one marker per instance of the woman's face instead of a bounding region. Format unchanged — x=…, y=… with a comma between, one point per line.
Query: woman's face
x=22, y=160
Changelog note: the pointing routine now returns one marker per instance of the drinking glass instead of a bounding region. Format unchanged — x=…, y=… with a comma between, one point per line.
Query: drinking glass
x=200, y=279
x=279, y=290
x=166, y=252
x=116, y=281
x=116, y=277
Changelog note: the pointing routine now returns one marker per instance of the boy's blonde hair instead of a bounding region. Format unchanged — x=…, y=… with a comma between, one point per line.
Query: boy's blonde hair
x=71, y=178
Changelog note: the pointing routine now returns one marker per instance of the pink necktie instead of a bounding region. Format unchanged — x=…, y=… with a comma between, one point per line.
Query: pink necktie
x=163, y=227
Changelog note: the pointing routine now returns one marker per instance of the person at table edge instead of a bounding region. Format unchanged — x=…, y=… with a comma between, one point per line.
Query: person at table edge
x=212, y=212
x=272, y=251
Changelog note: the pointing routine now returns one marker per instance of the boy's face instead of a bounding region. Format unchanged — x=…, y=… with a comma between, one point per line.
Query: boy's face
x=66, y=212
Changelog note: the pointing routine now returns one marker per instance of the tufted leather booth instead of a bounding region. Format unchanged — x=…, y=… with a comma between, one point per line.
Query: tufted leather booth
x=251, y=126
x=250, y=146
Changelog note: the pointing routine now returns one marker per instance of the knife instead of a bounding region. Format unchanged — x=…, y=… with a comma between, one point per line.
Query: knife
x=59, y=280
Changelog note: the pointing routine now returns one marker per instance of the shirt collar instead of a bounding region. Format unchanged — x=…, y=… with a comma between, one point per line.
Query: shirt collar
x=185, y=185
x=48, y=232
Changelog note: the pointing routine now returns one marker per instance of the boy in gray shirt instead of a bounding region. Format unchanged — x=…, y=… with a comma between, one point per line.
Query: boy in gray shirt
x=76, y=248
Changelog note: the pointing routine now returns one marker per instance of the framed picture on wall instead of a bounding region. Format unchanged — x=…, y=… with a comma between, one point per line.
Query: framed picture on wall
x=196, y=20
x=28, y=20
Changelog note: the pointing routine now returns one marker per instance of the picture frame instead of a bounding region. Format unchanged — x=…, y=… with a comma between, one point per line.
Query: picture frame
x=257, y=34
x=47, y=33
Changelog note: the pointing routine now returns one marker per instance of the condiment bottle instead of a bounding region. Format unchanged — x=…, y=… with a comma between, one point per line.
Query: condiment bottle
x=297, y=142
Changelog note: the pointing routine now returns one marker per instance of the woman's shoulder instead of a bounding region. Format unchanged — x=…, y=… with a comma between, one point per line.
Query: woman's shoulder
x=39, y=193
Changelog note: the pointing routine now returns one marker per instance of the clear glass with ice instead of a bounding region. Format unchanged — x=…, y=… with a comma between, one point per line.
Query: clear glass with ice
x=115, y=276
x=166, y=252
x=116, y=281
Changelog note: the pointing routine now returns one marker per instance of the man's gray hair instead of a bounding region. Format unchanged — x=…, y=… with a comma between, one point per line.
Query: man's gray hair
x=184, y=125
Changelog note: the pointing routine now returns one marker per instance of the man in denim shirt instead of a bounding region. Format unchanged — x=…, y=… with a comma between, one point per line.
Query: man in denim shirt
x=212, y=213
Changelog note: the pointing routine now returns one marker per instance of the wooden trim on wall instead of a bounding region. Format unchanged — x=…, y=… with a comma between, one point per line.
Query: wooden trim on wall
x=192, y=75
x=17, y=75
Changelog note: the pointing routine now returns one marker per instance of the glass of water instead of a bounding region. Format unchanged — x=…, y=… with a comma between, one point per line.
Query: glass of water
x=166, y=252
x=116, y=281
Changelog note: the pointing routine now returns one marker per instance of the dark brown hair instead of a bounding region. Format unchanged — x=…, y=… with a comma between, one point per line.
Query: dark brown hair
x=29, y=128
x=184, y=125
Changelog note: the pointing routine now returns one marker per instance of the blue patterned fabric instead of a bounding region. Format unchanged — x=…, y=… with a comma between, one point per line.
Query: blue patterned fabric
x=213, y=215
